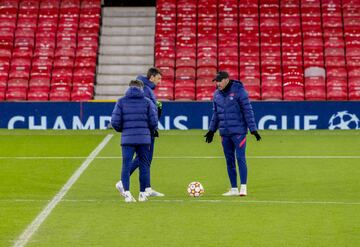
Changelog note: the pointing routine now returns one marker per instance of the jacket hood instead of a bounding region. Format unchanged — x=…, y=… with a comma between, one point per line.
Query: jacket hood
x=134, y=92
x=239, y=83
x=146, y=81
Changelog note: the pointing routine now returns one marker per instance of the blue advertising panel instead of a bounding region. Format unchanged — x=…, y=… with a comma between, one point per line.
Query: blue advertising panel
x=180, y=115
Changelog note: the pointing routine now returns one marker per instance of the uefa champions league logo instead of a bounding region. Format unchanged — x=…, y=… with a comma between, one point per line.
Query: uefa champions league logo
x=344, y=121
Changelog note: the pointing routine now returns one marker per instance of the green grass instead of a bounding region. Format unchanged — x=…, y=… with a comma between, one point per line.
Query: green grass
x=312, y=201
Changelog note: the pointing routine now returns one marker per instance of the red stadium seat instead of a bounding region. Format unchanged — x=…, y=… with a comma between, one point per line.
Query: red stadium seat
x=2, y=94
x=160, y=62
x=5, y=54
x=16, y=95
x=207, y=41
x=65, y=52
x=271, y=93
x=60, y=94
x=38, y=95
x=86, y=52
x=39, y=84
x=233, y=70
x=22, y=52
x=61, y=77
x=254, y=92
x=250, y=70
x=167, y=72
x=184, y=83
x=207, y=52
x=84, y=76
x=315, y=93
x=205, y=82
x=337, y=93
x=293, y=90
x=186, y=73
x=81, y=94
x=353, y=72
x=63, y=63
x=206, y=62
x=164, y=93
x=205, y=93
x=85, y=62
x=17, y=84
x=206, y=72
x=185, y=62
x=336, y=72
x=184, y=93
x=250, y=80
x=354, y=88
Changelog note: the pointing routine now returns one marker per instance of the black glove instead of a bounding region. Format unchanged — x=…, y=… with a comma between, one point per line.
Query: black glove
x=159, y=112
x=159, y=107
x=156, y=133
x=256, y=134
x=209, y=136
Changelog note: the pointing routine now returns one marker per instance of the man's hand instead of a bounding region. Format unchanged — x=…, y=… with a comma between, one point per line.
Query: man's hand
x=209, y=136
x=256, y=134
x=156, y=133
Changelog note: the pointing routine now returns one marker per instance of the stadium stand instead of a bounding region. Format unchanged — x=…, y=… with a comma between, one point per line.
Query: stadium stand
x=282, y=50
x=48, y=49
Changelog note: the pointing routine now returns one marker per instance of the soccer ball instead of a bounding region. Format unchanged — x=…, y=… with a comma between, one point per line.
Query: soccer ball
x=344, y=120
x=195, y=189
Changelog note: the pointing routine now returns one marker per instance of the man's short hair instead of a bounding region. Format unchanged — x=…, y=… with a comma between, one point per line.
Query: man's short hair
x=153, y=72
x=136, y=83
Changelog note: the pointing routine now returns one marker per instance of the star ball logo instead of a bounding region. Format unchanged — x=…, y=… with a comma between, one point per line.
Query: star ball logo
x=344, y=120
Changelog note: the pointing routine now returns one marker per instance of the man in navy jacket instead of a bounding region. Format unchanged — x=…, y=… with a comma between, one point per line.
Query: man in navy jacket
x=233, y=116
x=136, y=117
x=152, y=78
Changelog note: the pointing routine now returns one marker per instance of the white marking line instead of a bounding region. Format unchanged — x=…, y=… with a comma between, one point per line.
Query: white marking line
x=240, y=201
x=34, y=226
x=195, y=157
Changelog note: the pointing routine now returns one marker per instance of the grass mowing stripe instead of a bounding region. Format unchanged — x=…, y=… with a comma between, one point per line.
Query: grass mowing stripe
x=200, y=201
x=34, y=226
x=199, y=157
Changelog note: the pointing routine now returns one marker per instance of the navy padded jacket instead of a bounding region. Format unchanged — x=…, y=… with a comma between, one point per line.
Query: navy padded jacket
x=135, y=116
x=233, y=113
x=149, y=86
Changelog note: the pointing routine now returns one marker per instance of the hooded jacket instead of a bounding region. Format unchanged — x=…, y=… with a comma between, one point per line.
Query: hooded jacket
x=135, y=116
x=149, y=87
x=233, y=113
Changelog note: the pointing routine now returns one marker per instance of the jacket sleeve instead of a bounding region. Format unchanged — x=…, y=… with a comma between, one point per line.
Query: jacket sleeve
x=247, y=110
x=150, y=95
x=116, y=117
x=214, y=124
x=152, y=115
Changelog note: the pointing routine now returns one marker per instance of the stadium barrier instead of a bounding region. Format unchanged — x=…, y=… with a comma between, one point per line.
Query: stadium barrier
x=180, y=115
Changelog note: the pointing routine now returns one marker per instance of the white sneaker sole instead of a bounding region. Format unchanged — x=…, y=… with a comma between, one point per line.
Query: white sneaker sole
x=120, y=189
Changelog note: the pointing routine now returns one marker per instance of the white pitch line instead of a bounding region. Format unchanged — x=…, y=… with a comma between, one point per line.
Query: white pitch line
x=192, y=157
x=240, y=201
x=34, y=226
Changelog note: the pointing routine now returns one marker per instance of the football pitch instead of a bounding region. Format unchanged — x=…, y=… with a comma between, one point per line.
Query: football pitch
x=57, y=188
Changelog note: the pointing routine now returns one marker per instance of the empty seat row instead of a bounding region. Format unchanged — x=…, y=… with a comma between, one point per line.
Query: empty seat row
x=268, y=45
x=48, y=49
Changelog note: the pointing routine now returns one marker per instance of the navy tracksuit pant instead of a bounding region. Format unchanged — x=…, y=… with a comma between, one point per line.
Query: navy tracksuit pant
x=144, y=156
x=232, y=145
x=136, y=162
